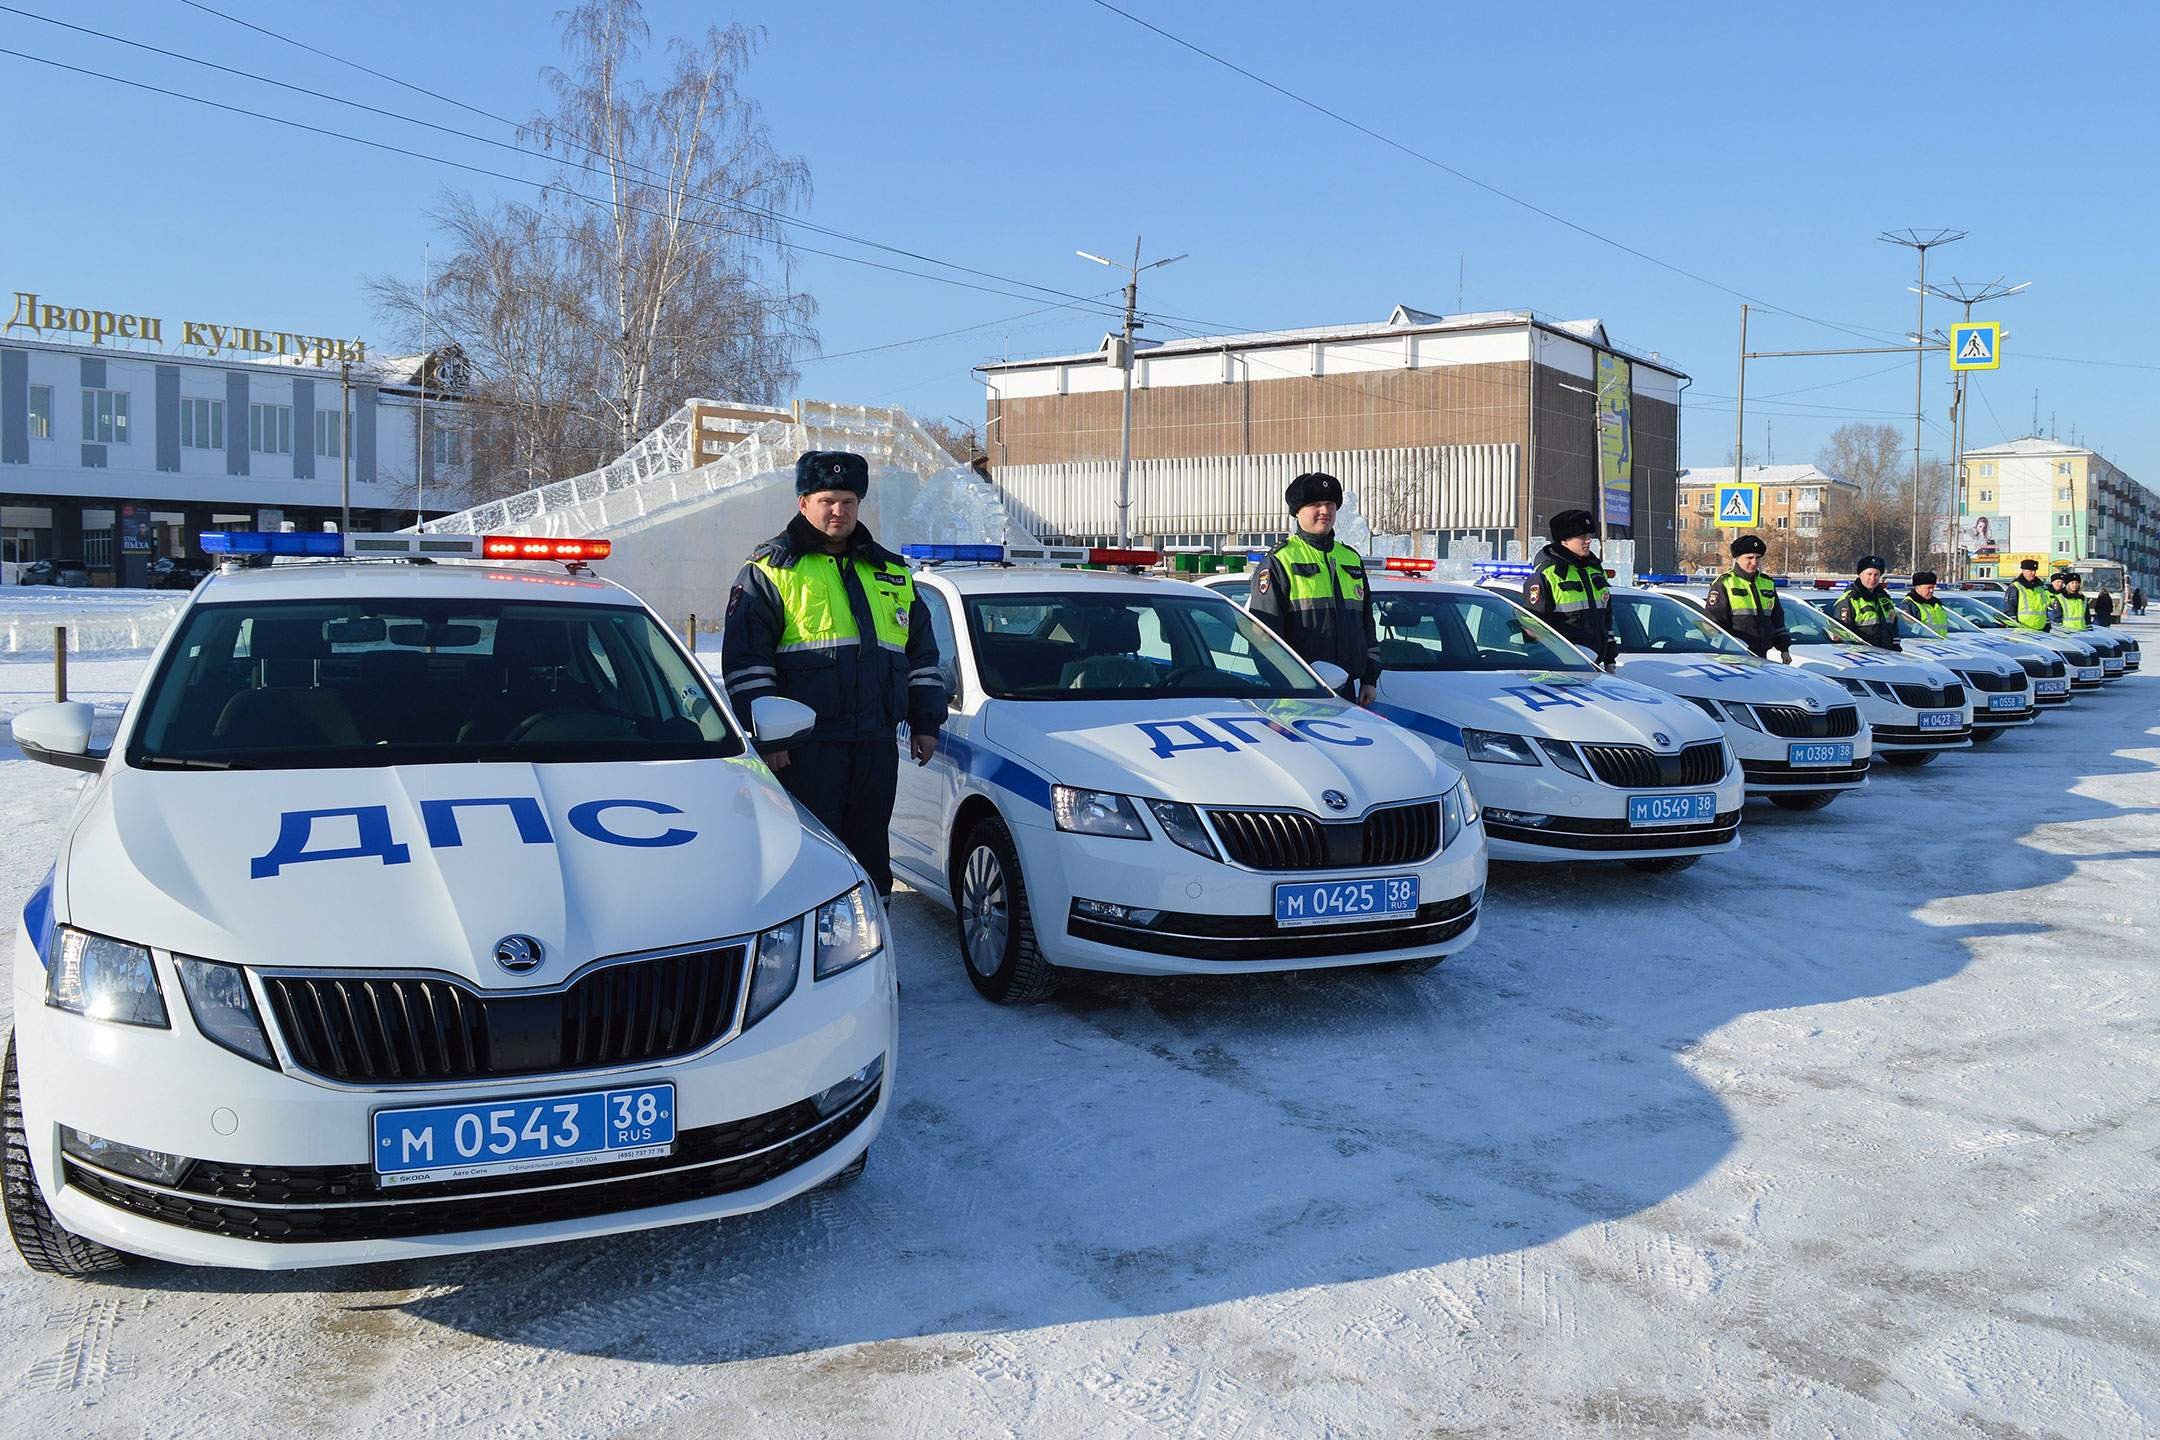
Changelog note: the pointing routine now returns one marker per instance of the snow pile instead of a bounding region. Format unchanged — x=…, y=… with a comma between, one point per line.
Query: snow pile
x=98, y=621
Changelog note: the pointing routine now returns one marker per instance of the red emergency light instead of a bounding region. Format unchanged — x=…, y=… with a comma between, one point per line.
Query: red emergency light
x=534, y=547
x=1123, y=557
x=1408, y=565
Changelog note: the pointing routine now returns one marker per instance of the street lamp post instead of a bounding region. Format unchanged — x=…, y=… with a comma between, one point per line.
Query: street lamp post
x=1914, y=240
x=1132, y=323
x=1960, y=293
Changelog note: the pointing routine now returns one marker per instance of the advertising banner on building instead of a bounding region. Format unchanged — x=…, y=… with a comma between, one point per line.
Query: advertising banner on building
x=1983, y=536
x=1616, y=441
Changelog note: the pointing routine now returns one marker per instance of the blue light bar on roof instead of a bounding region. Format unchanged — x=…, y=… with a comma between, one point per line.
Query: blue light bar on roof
x=315, y=544
x=1661, y=579
x=1497, y=568
x=976, y=554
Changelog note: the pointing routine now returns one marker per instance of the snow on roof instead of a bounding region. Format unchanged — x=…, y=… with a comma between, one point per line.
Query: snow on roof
x=2030, y=445
x=1761, y=475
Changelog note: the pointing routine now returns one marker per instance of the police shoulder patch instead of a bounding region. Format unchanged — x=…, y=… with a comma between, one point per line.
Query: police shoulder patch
x=1260, y=581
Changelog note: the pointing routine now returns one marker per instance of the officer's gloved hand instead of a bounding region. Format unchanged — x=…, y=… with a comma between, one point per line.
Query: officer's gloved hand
x=1608, y=651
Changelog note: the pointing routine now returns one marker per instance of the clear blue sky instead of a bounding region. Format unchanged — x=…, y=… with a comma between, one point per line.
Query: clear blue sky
x=1761, y=147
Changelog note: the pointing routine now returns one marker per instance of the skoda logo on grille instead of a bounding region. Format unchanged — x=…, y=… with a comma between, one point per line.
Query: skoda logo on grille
x=1334, y=800
x=518, y=953
x=1661, y=737
x=1813, y=703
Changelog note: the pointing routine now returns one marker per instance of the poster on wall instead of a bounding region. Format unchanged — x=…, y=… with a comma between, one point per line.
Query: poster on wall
x=1616, y=441
x=1983, y=536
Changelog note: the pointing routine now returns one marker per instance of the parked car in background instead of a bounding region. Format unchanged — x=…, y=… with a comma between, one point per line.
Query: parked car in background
x=177, y=572
x=69, y=574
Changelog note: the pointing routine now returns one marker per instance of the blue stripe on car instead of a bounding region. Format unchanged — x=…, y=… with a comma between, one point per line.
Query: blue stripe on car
x=38, y=920
x=1424, y=724
x=987, y=765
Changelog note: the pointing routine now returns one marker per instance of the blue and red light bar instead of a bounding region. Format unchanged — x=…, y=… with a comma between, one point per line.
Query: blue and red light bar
x=328, y=545
x=947, y=554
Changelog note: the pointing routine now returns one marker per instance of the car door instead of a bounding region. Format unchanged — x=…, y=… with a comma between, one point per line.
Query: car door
x=925, y=798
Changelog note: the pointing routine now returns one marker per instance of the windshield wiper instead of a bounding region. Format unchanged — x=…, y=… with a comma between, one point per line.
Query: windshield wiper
x=176, y=762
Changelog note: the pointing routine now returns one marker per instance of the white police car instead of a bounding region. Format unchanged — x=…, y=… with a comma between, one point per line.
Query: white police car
x=2001, y=692
x=1914, y=708
x=1137, y=776
x=1568, y=762
x=2046, y=665
x=2085, y=669
x=425, y=908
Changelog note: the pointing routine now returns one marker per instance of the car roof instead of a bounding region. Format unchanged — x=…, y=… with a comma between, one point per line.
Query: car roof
x=352, y=579
x=1035, y=579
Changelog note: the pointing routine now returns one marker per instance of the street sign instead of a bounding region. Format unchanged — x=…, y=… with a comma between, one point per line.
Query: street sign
x=1976, y=345
x=1739, y=507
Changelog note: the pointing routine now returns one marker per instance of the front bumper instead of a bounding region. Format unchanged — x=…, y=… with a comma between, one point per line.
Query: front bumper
x=1585, y=820
x=1767, y=768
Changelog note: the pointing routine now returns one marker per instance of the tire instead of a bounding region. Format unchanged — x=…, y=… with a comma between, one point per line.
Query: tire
x=1663, y=864
x=1911, y=759
x=997, y=929
x=1986, y=737
x=1804, y=800
x=44, y=1244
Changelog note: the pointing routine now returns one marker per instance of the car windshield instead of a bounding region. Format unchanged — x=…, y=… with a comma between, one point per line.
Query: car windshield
x=1128, y=645
x=1982, y=614
x=371, y=682
x=1812, y=626
x=1956, y=624
x=1660, y=625
x=1424, y=629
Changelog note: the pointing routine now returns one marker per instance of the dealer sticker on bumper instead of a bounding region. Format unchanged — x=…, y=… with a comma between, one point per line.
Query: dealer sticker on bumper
x=508, y=1137
x=1340, y=902
x=1654, y=810
x=1942, y=719
x=1799, y=756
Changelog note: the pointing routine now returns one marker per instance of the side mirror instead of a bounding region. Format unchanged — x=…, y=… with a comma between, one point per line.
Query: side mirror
x=58, y=734
x=1331, y=675
x=778, y=722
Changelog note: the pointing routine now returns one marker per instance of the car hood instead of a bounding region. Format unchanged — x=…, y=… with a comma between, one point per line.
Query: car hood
x=1964, y=655
x=1218, y=752
x=1565, y=705
x=428, y=866
x=1721, y=677
x=1866, y=662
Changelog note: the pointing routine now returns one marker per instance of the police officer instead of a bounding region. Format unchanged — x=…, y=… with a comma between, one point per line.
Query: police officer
x=1567, y=586
x=825, y=615
x=2071, y=608
x=1312, y=590
x=1745, y=601
x=2029, y=599
x=1922, y=605
x=1866, y=606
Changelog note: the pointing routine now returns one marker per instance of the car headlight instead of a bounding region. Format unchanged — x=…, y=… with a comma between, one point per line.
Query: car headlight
x=1708, y=707
x=1562, y=754
x=1457, y=813
x=1181, y=822
x=1853, y=687
x=105, y=979
x=776, y=966
x=850, y=930
x=224, y=1011
x=1742, y=714
x=1471, y=814
x=1496, y=748
x=1095, y=812
x=1883, y=688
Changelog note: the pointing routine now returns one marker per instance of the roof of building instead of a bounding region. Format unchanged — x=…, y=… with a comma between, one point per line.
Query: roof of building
x=2030, y=445
x=1402, y=320
x=1761, y=475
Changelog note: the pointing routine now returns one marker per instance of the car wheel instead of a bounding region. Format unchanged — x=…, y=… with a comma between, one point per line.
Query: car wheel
x=997, y=932
x=44, y=1244
x=1663, y=864
x=1805, y=800
x=1912, y=759
x=1985, y=737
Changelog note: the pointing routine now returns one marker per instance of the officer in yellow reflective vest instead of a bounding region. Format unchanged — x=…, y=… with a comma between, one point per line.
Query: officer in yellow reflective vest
x=823, y=614
x=2029, y=599
x=1745, y=601
x=2071, y=609
x=1312, y=590
x=1921, y=604
x=1567, y=587
x=1866, y=606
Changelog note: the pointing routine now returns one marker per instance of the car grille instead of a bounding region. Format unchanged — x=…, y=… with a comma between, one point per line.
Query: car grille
x=1930, y=697
x=1293, y=840
x=1777, y=772
x=1257, y=937
x=1790, y=722
x=1569, y=832
x=1635, y=767
x=2043, y=669
x=371, y=1030
x=298, y=1204
x=1989, y=683
x=1912, y=735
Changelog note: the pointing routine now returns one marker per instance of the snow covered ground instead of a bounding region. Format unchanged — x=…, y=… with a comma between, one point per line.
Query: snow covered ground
x=1850, y=1133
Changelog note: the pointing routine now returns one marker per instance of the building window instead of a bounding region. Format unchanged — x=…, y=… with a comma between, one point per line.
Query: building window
x=2062, y=547
x=1784, y=497
x=448, y=444
x=327, y=425
x=105, y=417
x=1987, y=468
x=270, y=429
x=1781, y=522
x=202, y=424
x=1987, y=497
x=41, y=412
x=2062, y=467
x=1812, y=495
x=2062, y=492
x=2062, y=522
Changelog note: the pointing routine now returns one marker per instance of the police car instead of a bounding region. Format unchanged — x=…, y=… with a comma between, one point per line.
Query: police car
x=2001, y=692
x=2046, y=665
x=1137, y=776
x=2083, y=663
x=1570, y=763
x=420, y=908
x=1914, y=708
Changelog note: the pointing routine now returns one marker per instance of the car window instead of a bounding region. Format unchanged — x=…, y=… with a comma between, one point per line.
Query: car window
x=941, y=630
x=306, y=684
x=1451, y=630
x=1237, y=592
x=1121, y=646
x=1810, y=626
x=1656, y=625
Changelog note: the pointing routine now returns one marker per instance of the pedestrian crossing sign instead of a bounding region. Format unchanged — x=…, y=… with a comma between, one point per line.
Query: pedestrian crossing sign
x=1739, y=507
x=1976, y=345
